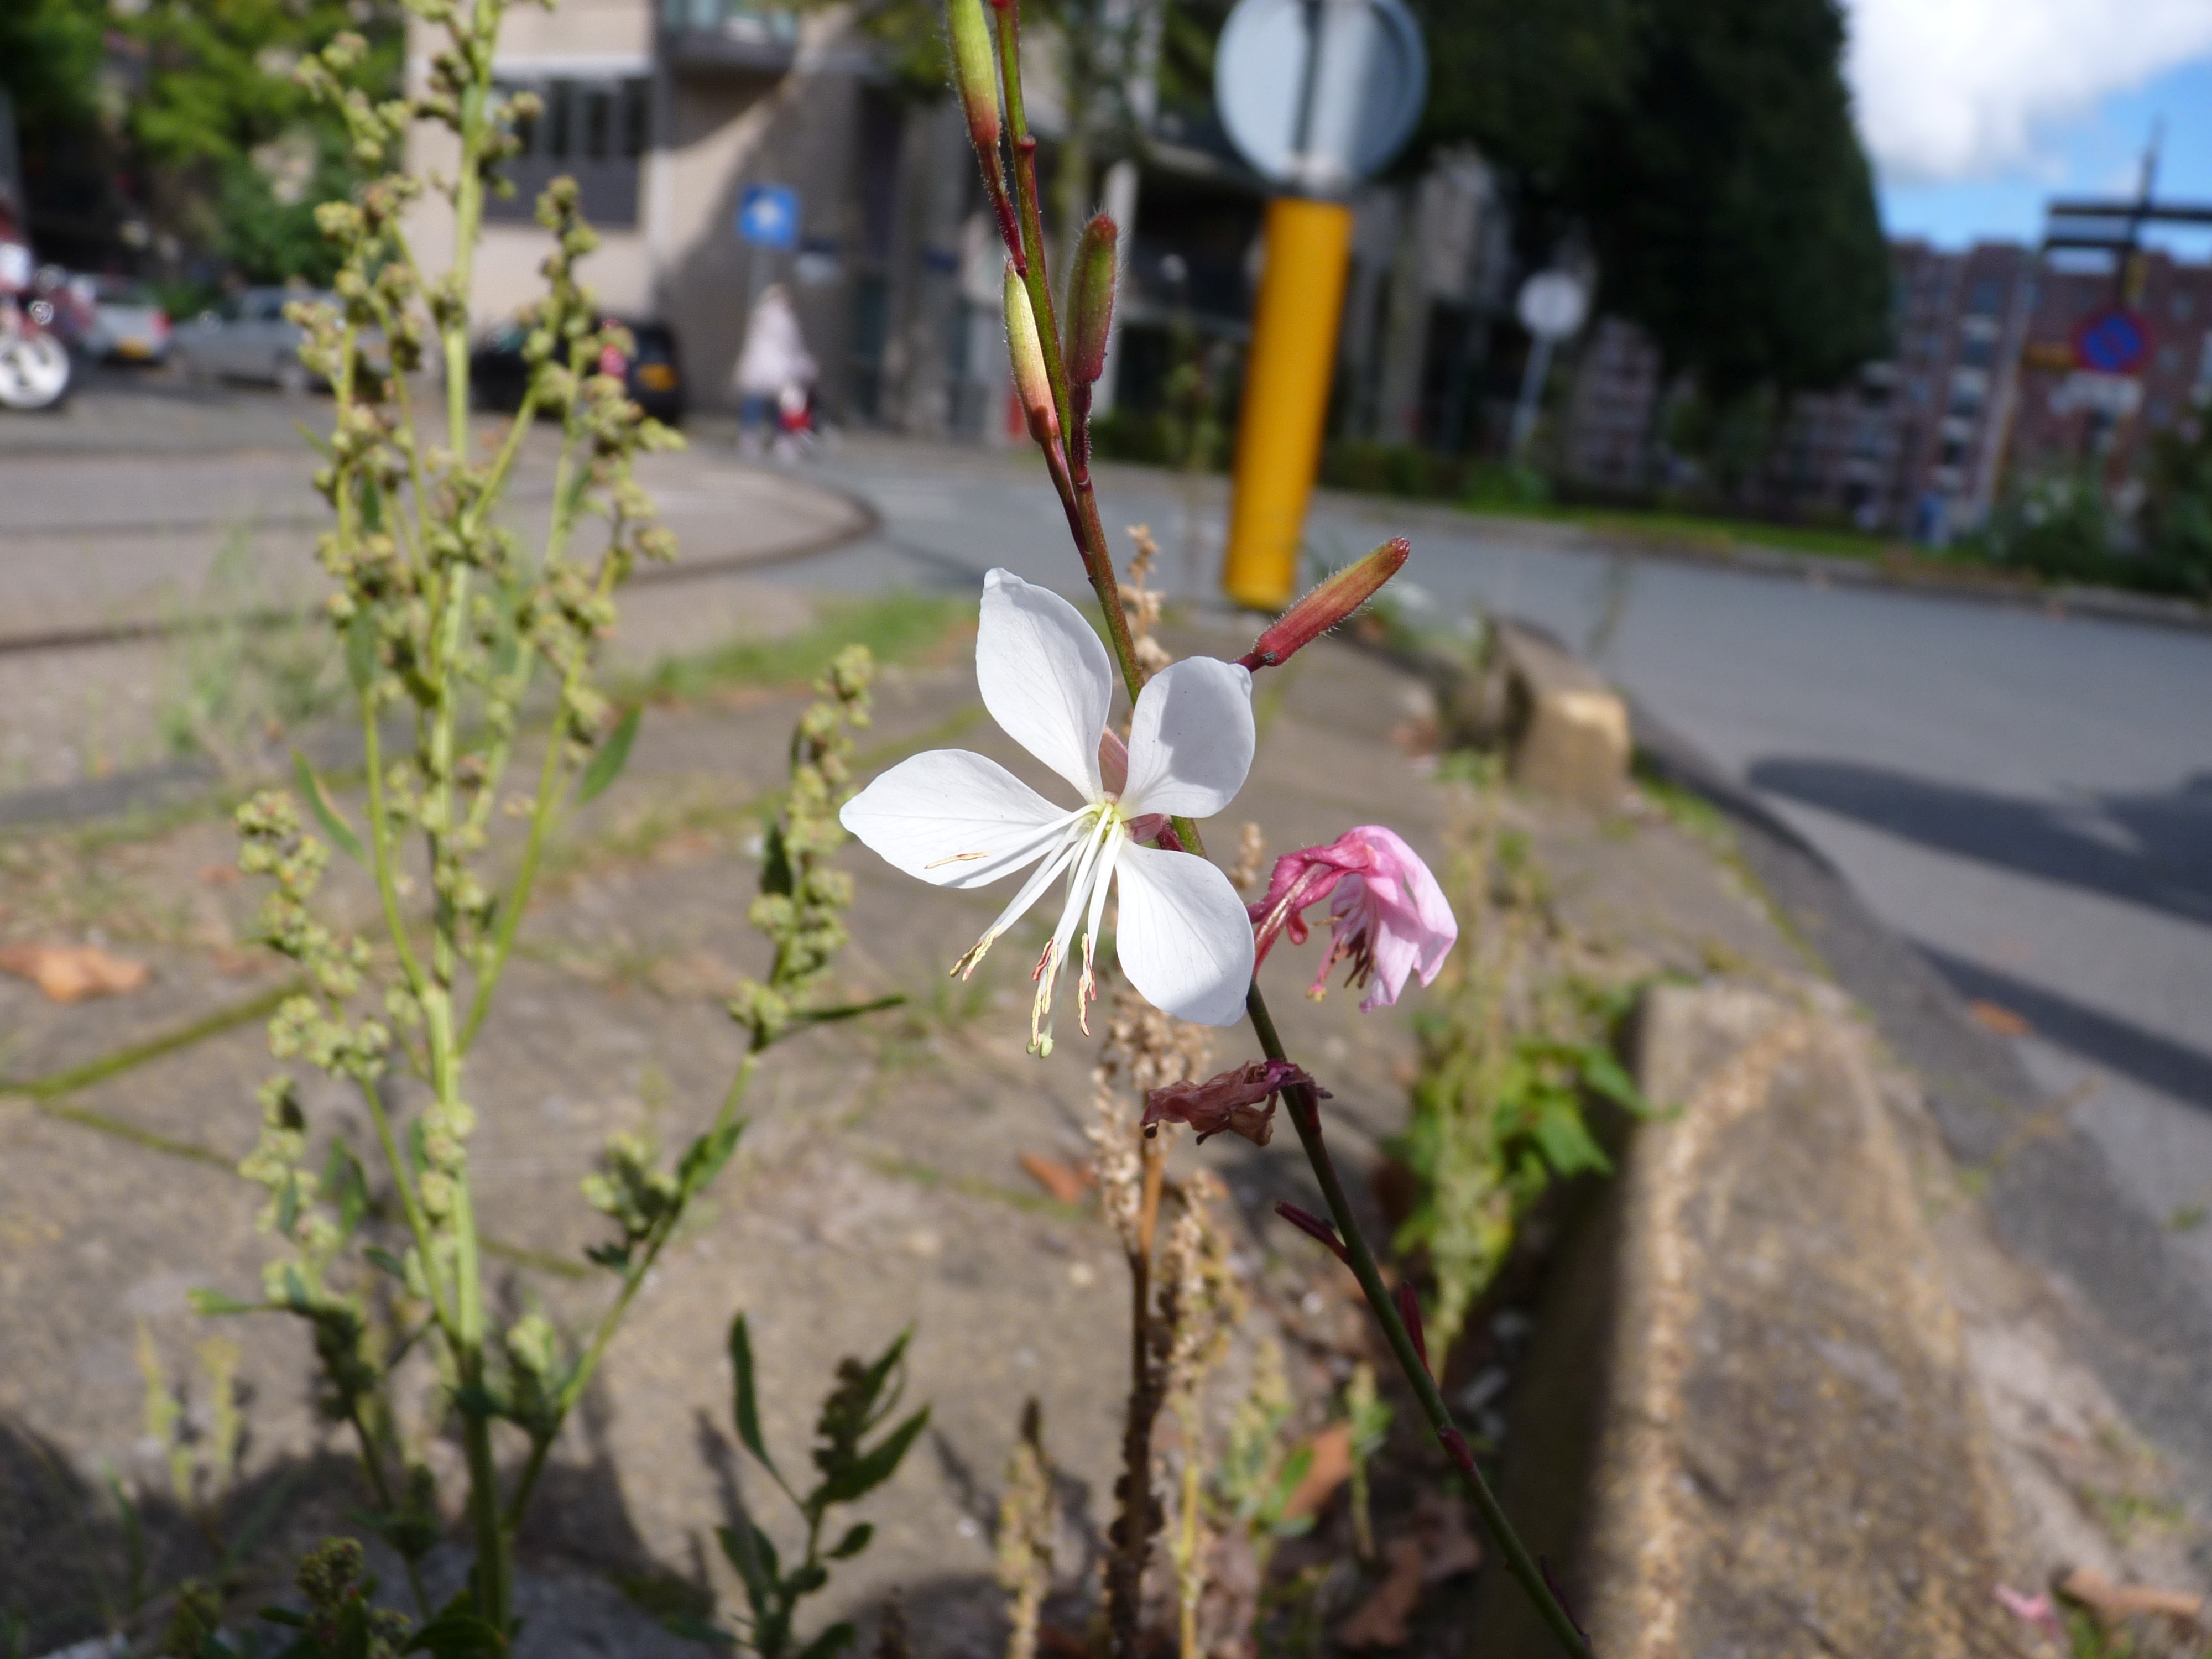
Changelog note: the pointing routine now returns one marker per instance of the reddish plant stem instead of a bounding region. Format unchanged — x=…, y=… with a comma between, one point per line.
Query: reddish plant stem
x=1304, y=1108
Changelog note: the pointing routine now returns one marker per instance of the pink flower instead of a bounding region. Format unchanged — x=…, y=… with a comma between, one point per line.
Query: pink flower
x=1232, y=1101
x=1387, y=915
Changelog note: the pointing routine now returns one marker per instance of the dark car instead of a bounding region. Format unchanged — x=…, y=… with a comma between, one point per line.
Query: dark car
x=499, y=375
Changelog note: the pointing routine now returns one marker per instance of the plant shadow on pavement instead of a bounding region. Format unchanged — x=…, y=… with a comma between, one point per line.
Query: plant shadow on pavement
x=85, y=1557
x=2154, y=850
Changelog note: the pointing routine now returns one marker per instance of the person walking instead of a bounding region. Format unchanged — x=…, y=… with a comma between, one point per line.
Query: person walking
x=775, y=371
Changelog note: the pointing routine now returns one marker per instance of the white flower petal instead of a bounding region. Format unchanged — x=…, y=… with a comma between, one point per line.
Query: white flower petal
x=1044, y=676
x=1191, y=739
x=954, y=819
x=1184, y=939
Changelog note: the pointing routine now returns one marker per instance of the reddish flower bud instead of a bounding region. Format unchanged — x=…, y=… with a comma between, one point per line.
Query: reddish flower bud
x=976, y=74
x=1242, y=1102
x=1031, y=381
x=1090, y=302
x=1327, y=605
x=1314, y=1227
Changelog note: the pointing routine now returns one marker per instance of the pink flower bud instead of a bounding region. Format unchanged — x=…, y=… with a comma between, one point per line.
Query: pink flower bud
x=1090, y=305
x=975, y=73
x=1327, y=605
x=1031, y=381
x=1242, y=1102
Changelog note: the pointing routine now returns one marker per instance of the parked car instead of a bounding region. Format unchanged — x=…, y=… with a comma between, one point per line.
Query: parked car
x=127, y=323
x=249, y=337
x=499, y=374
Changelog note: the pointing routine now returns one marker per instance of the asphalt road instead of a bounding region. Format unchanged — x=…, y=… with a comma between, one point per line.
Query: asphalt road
x=2027, y=797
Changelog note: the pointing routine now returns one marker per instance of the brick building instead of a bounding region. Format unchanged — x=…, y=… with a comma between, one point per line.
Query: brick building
x=1981, y=392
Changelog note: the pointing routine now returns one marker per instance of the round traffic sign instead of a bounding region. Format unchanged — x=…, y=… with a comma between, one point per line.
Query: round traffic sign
x=1552, y=305
x=2113, y=342
x=1319, y=94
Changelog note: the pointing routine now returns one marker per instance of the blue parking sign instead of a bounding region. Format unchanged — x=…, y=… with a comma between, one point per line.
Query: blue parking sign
x=768, y=216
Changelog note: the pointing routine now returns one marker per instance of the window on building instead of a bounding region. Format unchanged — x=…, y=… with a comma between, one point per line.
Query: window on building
x=2181, y=307
x=595, y=131
x=1952, y=452
x=1986, y=298
x=1976, y=350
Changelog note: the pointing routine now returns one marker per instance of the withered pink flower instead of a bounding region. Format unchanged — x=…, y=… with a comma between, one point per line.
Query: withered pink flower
x=1242, y=1102
x=1387, y=915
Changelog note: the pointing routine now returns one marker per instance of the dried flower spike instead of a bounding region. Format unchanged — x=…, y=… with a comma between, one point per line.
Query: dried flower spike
x=1328, y=605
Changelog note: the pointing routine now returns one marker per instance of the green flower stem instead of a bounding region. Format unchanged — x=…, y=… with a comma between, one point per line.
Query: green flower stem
x=542, y=809
x=580, y=1378
x=1305, y=1116
x=1304, y=1109
x=373, y=1466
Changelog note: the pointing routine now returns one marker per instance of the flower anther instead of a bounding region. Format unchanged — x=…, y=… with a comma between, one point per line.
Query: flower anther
x=961, y=820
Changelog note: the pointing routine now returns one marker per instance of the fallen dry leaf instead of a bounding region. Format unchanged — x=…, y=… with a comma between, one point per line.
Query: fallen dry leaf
x=70, y=972
x=1994, y=1017
x=1380, y=1621
x=2116, y=1601
x=1065, y=1184
x=1330, y=1468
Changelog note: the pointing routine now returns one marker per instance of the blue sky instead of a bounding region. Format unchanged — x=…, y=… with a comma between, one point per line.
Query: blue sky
x=1977, y=112
x=2095, y=153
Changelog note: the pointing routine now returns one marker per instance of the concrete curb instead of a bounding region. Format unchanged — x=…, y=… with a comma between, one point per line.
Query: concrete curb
x=1815, y=569
x=1746, y=1423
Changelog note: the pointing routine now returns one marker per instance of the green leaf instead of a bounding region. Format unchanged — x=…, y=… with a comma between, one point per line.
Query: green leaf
x=273, y=1616
x=873, y=1468
x=613, y=754
x=353, y=1631
x=343, y=1174
x=1566, y=1144
x=453, y=1635
x=747, y=1402
x=839, y=1636
x=704, y=1158
x=214, y=1303
x=776, y=875
x=372, y=506
x=853, y=1543
x=380, y=1257
x=753, y=1553
x=340, y=832
x=873, y=1379
x=1605, y=1075
x=848, y=1010
x=361, y=651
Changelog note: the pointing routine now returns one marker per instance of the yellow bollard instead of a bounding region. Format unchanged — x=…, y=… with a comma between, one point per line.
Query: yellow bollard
x=1286, y=376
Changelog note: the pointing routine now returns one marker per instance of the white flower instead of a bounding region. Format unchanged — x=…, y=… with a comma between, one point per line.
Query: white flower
x=957, y=819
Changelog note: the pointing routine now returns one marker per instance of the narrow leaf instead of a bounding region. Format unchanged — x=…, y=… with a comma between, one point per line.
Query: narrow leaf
x=747, y=1401
x=613, y=754
x=875, y=1466
x=340, y=832
x=214, y=1303
x=1605, y=1076
x=853, y=1543
x=380, y=1257
x=361, y=651
x=847, y=1011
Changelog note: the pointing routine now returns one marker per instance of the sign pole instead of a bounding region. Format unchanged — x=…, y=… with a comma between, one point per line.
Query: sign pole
x=1286, y=382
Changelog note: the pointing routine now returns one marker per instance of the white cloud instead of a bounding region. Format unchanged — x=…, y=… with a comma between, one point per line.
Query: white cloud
x=1956, y=88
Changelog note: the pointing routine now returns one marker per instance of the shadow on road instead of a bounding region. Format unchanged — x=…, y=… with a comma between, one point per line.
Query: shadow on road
x=2154, y=850
x=2118, y=1045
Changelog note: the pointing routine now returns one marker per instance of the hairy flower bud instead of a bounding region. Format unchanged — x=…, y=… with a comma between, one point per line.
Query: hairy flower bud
x=1090, y=302
x=1031, y=380
x=1328, y=604
x=976, y=74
